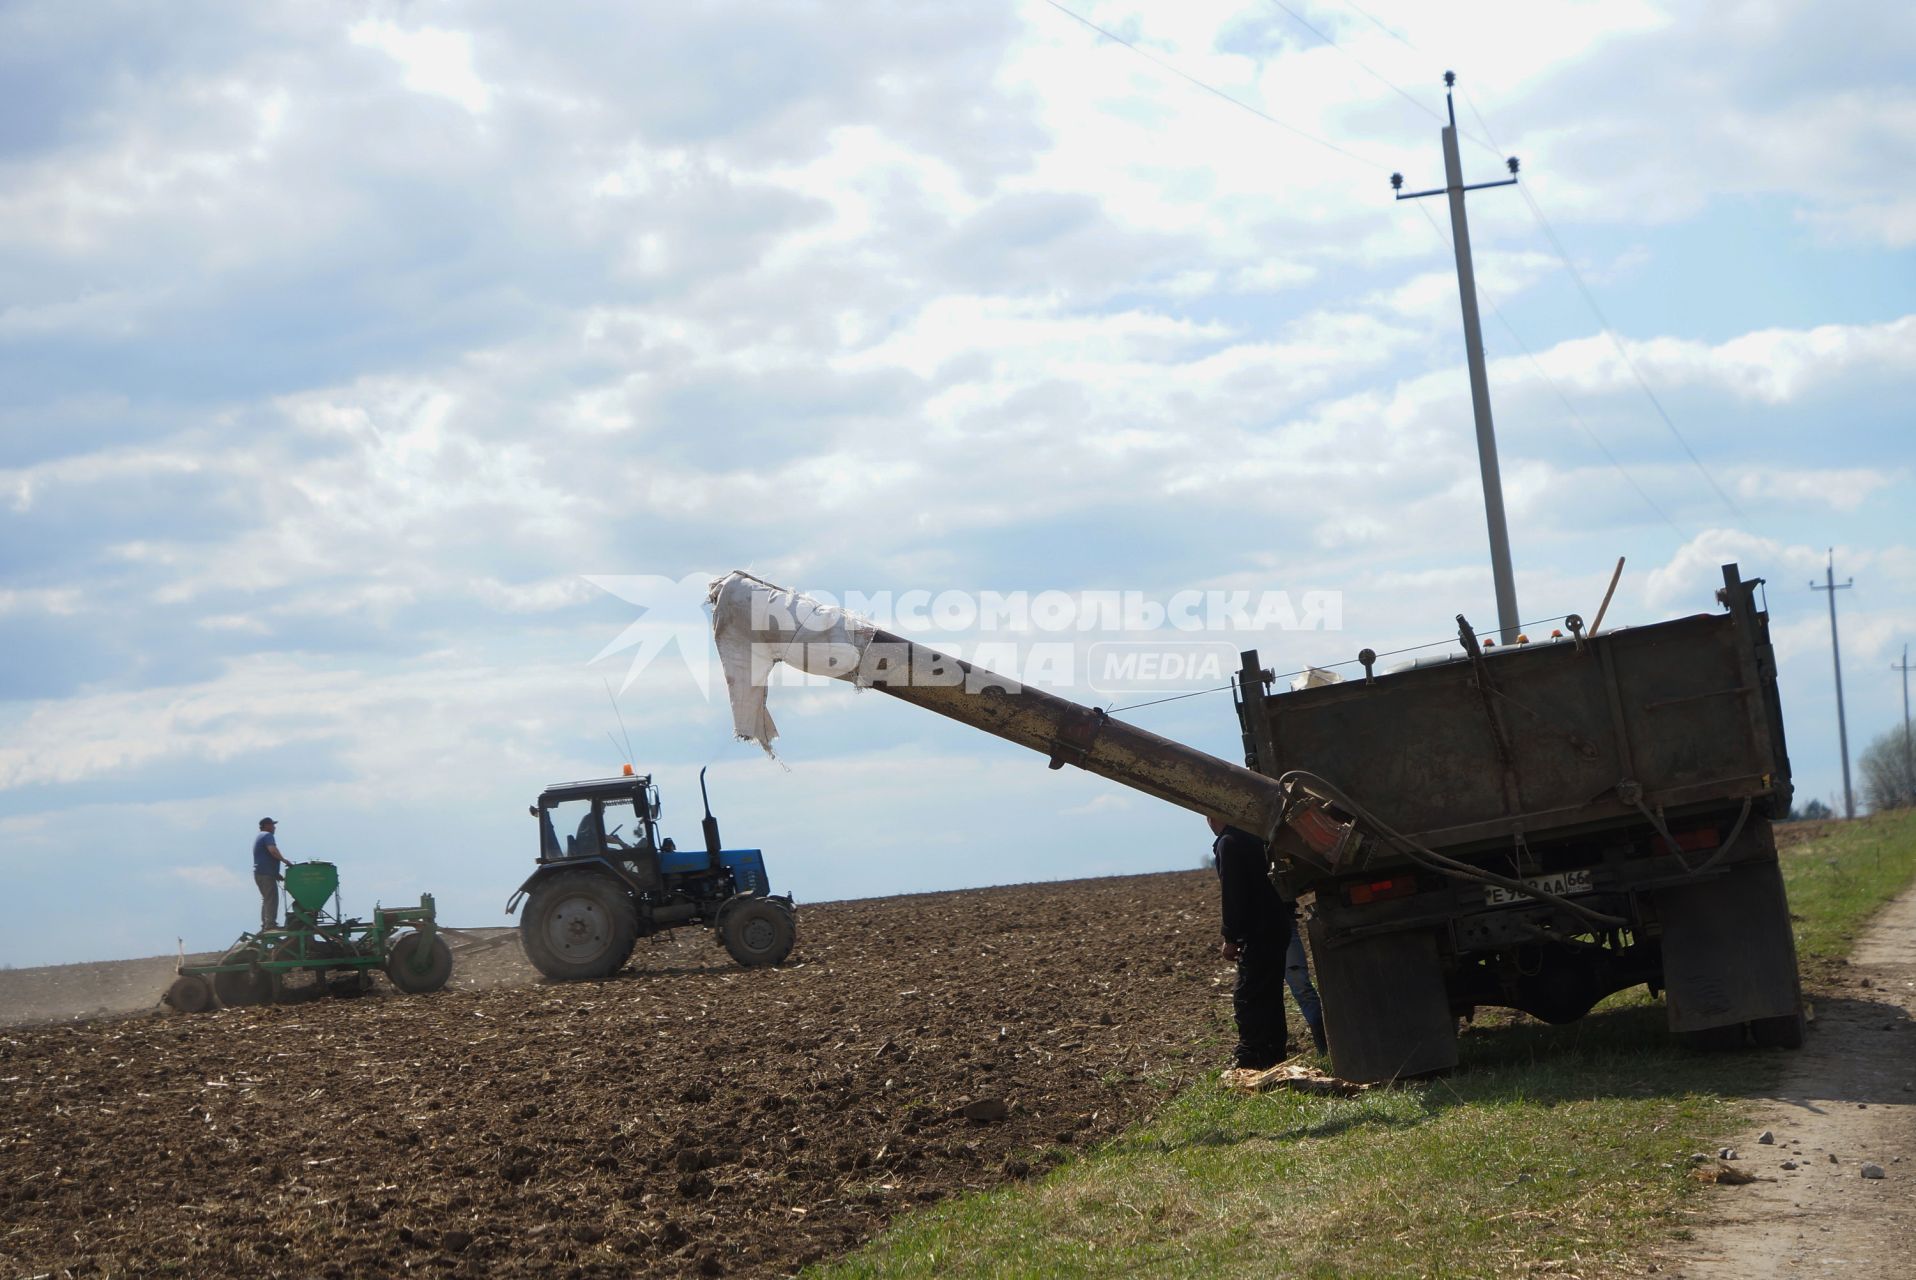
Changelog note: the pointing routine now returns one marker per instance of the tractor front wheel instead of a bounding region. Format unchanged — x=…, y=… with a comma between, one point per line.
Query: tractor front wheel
x=579, y=925
x=415, y=970
x=757, y=932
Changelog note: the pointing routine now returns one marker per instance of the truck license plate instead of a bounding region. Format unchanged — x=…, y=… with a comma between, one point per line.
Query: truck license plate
x=1563, y=884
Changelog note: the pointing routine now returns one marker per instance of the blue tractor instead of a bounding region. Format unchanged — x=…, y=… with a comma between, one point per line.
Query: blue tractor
x=609, y=880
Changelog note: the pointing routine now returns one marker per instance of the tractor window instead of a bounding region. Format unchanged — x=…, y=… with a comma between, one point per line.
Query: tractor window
x=577, y=829
x=632, y=826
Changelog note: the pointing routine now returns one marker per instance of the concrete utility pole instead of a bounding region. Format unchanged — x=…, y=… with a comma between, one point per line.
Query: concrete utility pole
x=1909, y=759
x=1832, y=586
x=1508, y=621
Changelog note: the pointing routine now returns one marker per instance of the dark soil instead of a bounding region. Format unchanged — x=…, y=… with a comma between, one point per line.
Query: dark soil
x=688, y=1117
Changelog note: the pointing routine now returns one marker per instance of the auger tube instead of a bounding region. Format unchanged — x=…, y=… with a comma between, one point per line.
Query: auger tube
x=1069, y=733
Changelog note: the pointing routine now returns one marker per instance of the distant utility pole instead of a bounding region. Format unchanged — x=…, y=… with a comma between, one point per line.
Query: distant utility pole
x=1507, y=620
x=1832, y=586
x=1909, y=760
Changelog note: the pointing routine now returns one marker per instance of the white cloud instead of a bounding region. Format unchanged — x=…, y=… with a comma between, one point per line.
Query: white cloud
x=210, y=876
x=1692, y=572
x=434, y=61
x=1840, y=489
x=57, y=601
x=26, y=485
x=1771, y=366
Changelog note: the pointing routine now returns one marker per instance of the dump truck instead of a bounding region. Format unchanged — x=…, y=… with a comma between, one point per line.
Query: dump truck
x=1534, y=826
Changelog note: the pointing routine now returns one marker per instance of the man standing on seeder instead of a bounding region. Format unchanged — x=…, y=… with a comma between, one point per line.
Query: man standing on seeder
x=267, y=860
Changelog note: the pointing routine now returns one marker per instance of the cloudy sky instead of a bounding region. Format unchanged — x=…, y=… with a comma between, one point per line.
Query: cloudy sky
x=340, y=344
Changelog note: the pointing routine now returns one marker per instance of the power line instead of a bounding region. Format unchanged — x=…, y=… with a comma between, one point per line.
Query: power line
x=1391, y=32
x=1176, y=697
x=1235, y=101
x=1563, y=399
x=1535, y=364
x=1550, y=233
x=1536, y=211
x=1526, y=628
x=1493, y=146
x=1610, y=333
x=1405, y=94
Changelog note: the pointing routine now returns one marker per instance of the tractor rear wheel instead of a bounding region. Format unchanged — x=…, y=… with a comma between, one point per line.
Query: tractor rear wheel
x=190, y=993
x=579, y=925
x=242, y=987
x=758, y=932
x=416, y=975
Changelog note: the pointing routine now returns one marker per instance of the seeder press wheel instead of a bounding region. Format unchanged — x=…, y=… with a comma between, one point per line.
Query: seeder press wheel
x=242, y=987
x=190, y=993
x=416, y=969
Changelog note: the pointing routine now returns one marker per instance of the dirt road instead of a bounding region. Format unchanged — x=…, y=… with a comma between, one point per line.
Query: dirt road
x=1849, y=1100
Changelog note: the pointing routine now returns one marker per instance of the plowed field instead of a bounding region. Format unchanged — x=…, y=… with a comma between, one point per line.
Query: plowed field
x=687, y=1117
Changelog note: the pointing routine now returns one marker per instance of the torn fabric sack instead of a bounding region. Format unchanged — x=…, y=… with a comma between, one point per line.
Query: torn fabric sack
x=756, y=626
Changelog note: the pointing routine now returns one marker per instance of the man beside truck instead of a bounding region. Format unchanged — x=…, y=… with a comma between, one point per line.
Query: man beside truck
x=1257, y=934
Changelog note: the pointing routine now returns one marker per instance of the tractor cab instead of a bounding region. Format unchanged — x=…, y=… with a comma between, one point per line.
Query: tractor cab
x=615, y=819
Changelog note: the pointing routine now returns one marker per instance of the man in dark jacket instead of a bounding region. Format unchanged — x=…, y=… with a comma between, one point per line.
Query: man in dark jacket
x=1257, y=932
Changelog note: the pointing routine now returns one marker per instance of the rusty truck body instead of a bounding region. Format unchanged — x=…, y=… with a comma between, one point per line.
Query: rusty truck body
x=1535, y=827
x=1625, y=782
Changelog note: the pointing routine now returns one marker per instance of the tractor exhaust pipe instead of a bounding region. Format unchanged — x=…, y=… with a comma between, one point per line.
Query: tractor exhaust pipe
x=757, y=625
x=710, y=825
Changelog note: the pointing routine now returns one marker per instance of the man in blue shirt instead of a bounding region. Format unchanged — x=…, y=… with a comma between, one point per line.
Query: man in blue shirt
x=267, y=860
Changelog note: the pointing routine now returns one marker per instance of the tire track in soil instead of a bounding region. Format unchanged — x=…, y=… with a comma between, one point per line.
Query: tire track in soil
x=687, y=1118
x=1849, y=1094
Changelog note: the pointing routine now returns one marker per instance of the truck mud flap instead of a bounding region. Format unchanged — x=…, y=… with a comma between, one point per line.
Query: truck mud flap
x=1728, y=954
x=1385, y=1009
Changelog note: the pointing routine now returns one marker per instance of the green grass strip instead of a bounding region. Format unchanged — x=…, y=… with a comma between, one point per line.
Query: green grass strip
x=1550, y=1150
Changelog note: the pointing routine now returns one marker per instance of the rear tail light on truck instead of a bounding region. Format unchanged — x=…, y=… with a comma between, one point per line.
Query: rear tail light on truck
x=1380, y=890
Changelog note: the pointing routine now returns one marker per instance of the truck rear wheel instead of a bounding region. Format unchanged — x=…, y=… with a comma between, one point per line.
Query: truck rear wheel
x=758, y=932
x=1725, y=1039
x=1786, y=1032
x=578, y=925
x=1385, y=1008
x=1728, y=954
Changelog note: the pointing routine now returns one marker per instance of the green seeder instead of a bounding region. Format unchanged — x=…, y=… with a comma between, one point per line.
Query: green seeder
x=318, y=951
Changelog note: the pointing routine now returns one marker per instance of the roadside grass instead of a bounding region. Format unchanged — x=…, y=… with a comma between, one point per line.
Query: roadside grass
x=1838, y=874
x=1549, y=1151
